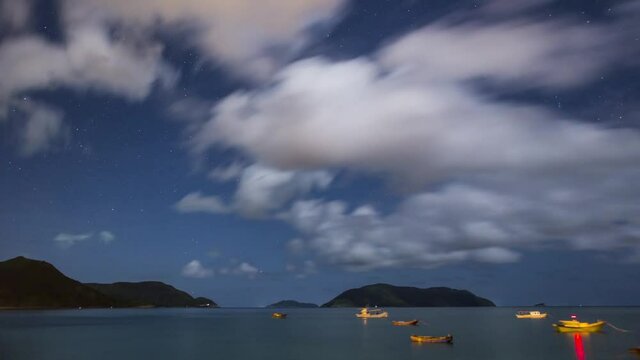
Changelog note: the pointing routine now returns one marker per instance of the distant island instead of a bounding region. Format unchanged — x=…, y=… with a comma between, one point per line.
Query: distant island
x=404, y=296
x=34, y=284
x=290, y=304
x=154, y=293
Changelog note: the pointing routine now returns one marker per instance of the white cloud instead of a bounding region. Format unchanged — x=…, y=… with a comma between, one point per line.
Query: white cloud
x=197, y=202
x=106, y=236
x=481, y=219
x=523, y=53
x=14, y=15
x=241, y=33
x=350, y=114
x=227, y=173
x=67, y=240
x=242, y=269
x=42, y=130
x=246, y=269
x=260, y=191
x=89, y=60
x=194, y=269
x=490, y=178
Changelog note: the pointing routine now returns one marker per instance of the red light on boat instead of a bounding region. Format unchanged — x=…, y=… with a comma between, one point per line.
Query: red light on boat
x=573, y=316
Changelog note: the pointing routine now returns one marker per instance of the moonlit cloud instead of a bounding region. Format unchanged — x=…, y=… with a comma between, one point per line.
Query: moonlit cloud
x=242, y=269
x=489, y=222
x=227, y=173
x=489, y=178
x=197, y=202
x=522, y=53
x=43, y=128
x=194, y=269
x=15, y=15
x=242, y=34
x=67, y=240
x=351, y=115
x=261, y=190
x=89, y=60
x=106, y=236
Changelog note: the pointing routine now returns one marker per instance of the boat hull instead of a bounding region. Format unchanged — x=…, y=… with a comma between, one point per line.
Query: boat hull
x=279, y=316
x=540, y=316
x=405, y=323
x=432, y=339
x=373, y=316
x=566, y=327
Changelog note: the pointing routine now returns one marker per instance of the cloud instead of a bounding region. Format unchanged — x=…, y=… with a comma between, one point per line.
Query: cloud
x=106, y=236
x=14, y=15
x=261, y=190
x=554, y=54
x=242, y=269
x=246, y=269
x=197, y=202
x=90, y=59
x=490, y=178
x=42, y=130
x=66, y=240
x=352, y=114
x=227, y=173
x=480, y=220
x=194, y=269
x=243, y=33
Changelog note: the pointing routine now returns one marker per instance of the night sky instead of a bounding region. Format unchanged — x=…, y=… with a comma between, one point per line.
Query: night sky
x=254, y=151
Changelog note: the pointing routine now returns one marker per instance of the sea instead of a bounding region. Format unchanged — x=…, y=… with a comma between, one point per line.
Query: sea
x=307, y=334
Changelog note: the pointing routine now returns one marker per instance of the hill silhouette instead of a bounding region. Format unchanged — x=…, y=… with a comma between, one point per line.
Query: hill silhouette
x=26, y=283
x=404, y=296
x=34, y=284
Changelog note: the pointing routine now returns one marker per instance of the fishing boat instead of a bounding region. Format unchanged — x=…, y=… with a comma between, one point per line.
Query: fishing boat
x=574, y=325
x=277, y=315
x=375, y=313
x=635, y=350
x=531, y=315
x=432, y=339
x=405, y=323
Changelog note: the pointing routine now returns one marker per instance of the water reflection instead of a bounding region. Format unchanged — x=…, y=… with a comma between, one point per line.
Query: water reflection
x=578, y=346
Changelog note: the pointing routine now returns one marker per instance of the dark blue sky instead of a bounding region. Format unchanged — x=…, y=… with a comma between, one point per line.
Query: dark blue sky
x=296, y=151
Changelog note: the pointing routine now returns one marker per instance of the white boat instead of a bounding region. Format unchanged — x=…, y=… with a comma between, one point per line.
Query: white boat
x=375, y=313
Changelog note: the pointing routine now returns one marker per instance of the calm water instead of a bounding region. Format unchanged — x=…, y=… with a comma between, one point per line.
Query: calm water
x=479, y=333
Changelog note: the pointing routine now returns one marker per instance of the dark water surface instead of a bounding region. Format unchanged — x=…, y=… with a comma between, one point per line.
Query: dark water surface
x=479, y=333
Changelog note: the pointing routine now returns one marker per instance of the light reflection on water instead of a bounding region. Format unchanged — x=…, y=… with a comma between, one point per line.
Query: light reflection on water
x=577, y=339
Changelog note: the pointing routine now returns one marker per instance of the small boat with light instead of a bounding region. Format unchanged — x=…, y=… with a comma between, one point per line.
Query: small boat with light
x=375, y=313
x=432, y=339
x=574, y=325
x=278, y=315
x=531, y=315
x=405, y=323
